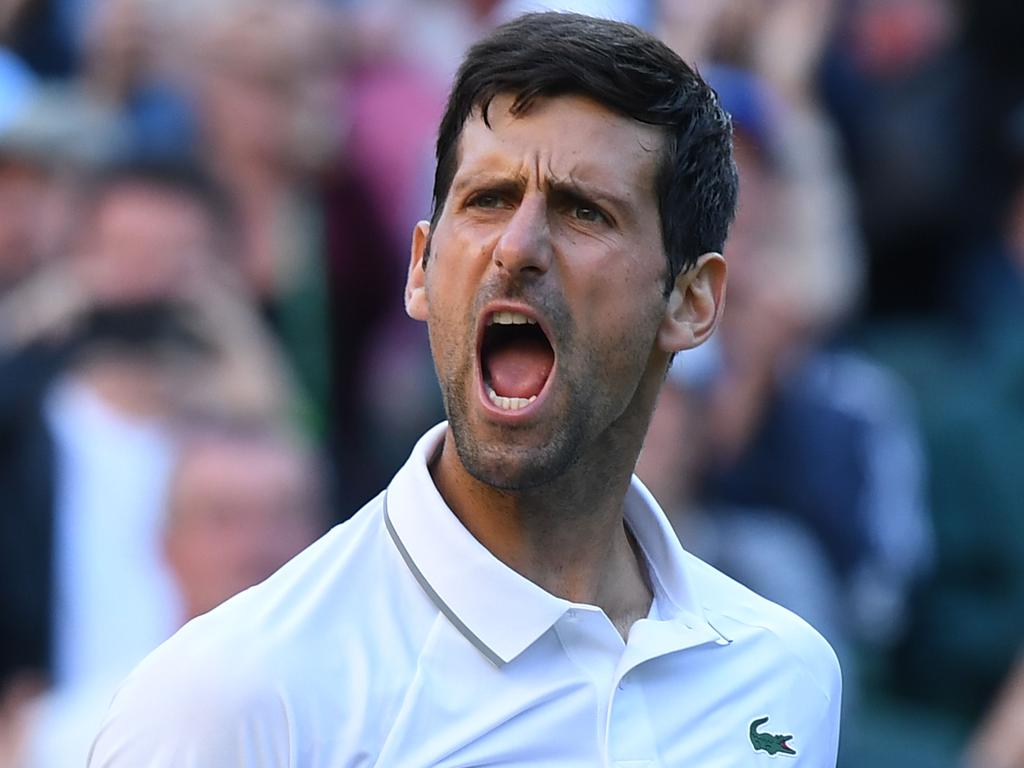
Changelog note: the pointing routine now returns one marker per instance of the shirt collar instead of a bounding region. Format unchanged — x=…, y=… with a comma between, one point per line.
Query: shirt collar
x=682, y=622
x=498, y=610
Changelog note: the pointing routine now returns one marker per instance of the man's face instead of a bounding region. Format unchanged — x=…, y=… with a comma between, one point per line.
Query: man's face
x=239, y=512
x=23, y=193
x=145, y=244
x=543, y=291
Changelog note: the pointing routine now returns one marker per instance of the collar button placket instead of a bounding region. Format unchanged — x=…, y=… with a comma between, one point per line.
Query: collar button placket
x=631, y=737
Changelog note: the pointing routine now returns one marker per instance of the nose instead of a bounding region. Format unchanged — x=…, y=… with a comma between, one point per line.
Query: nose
x=525, y=243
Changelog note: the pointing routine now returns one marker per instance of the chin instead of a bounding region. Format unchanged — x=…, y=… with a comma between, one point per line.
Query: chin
x=510, y=466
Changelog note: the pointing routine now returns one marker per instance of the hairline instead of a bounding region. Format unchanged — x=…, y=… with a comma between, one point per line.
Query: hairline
x=518, y=108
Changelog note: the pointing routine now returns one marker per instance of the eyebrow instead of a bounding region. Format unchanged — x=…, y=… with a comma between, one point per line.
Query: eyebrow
x=567, y=188
x=620, y=207
x=494, y=182
x=572, y=189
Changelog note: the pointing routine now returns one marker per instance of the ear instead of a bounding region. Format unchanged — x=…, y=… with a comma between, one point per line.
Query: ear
x=416, y=282
x=694, y=306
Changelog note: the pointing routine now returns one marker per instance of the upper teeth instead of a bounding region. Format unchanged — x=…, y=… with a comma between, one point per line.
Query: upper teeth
x=510, y=318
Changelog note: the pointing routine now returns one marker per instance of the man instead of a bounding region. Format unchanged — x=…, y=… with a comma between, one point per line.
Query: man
x=99, y=352
x=513, y=597
x=242, y=499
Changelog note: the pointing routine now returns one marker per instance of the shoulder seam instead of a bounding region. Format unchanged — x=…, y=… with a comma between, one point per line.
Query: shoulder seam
x=786, y=646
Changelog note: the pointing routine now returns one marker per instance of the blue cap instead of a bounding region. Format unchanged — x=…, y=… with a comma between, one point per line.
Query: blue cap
x=17, y=87
x=748, y=99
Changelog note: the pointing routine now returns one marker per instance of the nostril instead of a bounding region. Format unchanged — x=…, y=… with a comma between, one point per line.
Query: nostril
x=532, y=257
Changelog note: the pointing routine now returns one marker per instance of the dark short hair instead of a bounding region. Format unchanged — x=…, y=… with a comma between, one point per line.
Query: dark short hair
x=630, y=72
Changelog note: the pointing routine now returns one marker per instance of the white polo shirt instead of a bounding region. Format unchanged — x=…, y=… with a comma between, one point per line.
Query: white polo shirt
x=399, y=640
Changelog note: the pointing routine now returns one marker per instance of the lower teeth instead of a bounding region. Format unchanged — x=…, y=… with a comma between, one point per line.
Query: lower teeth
x=509, y=403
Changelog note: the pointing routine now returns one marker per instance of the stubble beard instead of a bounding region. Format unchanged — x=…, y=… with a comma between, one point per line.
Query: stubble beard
x=517, y=458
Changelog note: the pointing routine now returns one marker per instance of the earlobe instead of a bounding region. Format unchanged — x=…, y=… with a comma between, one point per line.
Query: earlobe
x=416, y=281
x=695, y=305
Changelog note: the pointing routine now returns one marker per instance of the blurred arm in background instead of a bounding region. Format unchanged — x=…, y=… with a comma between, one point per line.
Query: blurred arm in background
x=999, y=740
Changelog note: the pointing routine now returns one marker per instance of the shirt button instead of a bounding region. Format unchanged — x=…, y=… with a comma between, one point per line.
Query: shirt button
x=571, y=614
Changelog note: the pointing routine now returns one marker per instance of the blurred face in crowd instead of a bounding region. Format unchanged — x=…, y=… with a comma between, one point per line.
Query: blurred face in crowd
x=23, y=190
x=145, y=243
x=248, y=106
x=239, y=510
x=262, y=82
x=892, y=37
x=754, y=255
x=544, y=287
x=765, y=312
x=719, y=29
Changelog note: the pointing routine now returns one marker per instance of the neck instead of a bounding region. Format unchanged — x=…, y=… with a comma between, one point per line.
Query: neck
x=568, y=536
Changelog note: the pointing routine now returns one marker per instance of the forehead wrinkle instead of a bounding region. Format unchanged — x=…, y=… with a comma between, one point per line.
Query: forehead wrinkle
x=489, y=168
x=572, y=181
x=583, y=173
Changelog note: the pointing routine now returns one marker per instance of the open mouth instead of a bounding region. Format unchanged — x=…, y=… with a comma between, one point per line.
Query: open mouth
x=516, y=360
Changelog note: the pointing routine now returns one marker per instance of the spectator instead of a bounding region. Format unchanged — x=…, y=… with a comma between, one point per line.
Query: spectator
x=98, y=350
x=743, y=542
x=801, y=449
x=897, y=84
x=263, y=88
x=242, y=500
x=129, y=68
x=38, y=162
x=788, y=421
x=968, y=379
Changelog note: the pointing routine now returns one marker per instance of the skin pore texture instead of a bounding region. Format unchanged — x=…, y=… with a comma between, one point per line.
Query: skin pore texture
x=552, y=213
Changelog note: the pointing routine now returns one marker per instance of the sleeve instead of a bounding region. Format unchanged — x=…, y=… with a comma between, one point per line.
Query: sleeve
x=821, y=747
x=179, y=709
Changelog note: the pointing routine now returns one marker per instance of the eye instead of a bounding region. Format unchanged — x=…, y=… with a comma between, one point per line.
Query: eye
x=585, y=212
x=486, y=200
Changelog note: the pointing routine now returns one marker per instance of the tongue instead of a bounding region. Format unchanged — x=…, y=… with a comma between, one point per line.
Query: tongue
x=521, y=368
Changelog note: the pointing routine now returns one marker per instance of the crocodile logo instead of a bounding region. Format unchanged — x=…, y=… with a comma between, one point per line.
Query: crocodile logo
x=772, y=743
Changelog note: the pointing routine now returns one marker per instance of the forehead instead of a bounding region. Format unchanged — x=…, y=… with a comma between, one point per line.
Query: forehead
x=130, y=202
x=215, y=469
x=564, y=137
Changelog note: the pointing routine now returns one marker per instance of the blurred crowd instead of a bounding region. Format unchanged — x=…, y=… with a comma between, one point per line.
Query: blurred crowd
x=205, y=210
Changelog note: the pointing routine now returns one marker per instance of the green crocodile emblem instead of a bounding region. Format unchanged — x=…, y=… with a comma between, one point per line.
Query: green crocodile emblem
x=772, y=743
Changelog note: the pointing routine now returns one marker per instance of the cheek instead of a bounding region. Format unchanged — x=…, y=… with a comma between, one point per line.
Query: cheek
x=453, y=277
x=622, y=312
x=615, y=349
x=451, y=341
x=444, y=307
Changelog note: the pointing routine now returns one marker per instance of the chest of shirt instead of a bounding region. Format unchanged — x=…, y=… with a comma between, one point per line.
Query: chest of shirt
x=563, y=703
